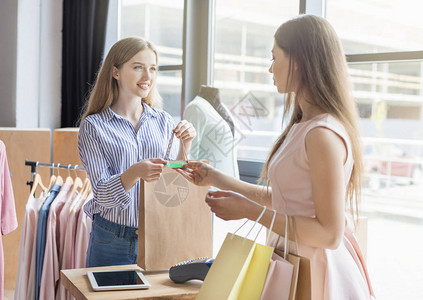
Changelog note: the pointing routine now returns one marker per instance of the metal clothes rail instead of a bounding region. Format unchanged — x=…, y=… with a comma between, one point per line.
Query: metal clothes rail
x=35, y=164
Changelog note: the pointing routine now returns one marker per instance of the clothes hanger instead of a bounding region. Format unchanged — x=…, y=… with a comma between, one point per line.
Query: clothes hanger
x=82, y=194
x=69, y=179
x=87, y=190
x=59, y=179
x=84, y=197
x=76, y=185
x=37, y=182
x=52, y=180
x=84, y=187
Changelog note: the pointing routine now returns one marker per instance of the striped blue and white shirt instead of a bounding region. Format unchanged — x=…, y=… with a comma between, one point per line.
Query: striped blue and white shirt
x=108, y=145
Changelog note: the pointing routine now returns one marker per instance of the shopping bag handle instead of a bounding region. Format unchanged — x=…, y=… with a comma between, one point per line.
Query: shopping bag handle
x=271, y=227
x=258, y=219
x=285, y=250
x=286, y=241
x=294, y=226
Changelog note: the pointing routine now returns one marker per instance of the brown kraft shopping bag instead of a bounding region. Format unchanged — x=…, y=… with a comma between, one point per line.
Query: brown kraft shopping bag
x=301, y=277
x=175, y=223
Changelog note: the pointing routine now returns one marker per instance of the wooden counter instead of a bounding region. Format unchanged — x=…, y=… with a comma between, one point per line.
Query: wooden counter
x=76, y=281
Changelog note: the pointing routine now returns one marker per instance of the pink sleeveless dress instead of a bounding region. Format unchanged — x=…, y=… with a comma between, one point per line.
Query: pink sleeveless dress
x=335, y=274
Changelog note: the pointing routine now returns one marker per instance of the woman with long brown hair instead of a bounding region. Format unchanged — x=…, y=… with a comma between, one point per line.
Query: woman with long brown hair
x=123, y=137
x=313, y=171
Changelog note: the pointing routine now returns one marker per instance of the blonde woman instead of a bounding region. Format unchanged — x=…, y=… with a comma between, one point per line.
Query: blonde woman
x=123, y=138
x=314, y=168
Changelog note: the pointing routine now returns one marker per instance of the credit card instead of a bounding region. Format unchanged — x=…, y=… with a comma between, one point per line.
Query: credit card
x=175, y=165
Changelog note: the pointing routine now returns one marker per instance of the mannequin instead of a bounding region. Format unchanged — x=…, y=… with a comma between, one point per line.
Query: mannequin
x=212, y=95
x=216, y=134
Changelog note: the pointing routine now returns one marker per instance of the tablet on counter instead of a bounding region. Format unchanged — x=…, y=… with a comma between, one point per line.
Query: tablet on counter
x=117, y=280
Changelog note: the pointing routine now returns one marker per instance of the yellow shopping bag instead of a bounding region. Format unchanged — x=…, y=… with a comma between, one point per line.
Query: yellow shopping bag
x=255, y=277
x=239, y=270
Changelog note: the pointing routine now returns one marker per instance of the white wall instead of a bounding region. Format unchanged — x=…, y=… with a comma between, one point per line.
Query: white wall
x=28, y=64
x=31, y=33
x=8, y=42
x=112, y=26
x=51, y=63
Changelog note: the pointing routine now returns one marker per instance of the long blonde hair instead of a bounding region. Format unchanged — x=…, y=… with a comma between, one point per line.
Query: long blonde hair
x=106, y=90
x=321, y=70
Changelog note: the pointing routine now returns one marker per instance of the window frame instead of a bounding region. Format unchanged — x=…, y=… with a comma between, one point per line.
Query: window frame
x=379, y=57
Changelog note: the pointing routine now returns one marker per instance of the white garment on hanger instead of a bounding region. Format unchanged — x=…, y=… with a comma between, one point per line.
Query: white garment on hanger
x=214, y=141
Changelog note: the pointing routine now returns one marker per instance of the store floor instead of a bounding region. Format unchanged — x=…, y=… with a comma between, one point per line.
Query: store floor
x=394, y=258
x=395, y=233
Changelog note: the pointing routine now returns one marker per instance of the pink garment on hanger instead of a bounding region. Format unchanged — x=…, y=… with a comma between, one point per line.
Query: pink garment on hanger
x=82, y=236
x=51, y=268
x=25, y=280
x=7, y=208
x=335, y=274
x=75, y=215
x=65, y=254
x=68, y=244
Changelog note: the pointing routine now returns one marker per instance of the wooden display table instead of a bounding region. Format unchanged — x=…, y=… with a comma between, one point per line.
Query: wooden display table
x=76, y=281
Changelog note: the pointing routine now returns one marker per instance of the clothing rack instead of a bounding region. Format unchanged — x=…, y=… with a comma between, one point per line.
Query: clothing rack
x=35, y=164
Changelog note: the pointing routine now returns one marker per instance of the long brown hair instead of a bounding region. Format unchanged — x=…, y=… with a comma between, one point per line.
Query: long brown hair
x=105, y=90
x=322, y=74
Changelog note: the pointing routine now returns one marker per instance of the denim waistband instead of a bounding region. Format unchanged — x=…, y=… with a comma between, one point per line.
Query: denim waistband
x=120, y=230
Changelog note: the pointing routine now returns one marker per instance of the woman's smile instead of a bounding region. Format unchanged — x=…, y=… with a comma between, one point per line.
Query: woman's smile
x=144, y=86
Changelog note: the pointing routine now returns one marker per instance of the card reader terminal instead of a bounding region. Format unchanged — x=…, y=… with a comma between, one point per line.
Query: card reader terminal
x=190, y=269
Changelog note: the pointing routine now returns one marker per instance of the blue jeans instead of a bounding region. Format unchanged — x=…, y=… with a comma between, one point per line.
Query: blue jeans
x=111, y=244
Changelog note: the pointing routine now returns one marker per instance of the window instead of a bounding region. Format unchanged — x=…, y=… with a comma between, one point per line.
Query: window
x=392, y=135
x=396, y=84
x=243, y=43
x=160, y=21
x=387, y=83
x=169, y=84
x=378, y=25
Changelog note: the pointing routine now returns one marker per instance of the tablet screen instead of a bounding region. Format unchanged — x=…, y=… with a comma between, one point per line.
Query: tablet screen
x=117, y=278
